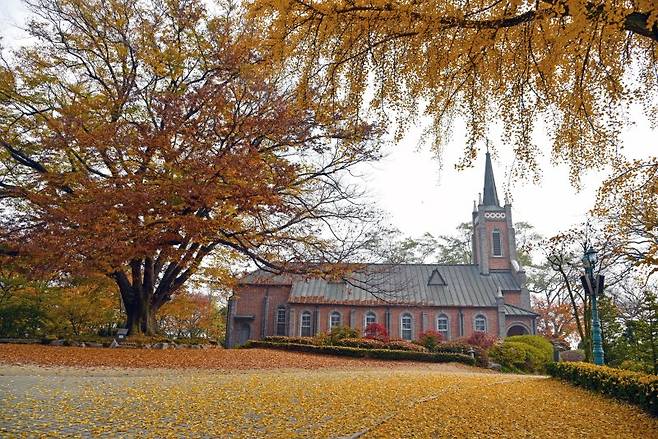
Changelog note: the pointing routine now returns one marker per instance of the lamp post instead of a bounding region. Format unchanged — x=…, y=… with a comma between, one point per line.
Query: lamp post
x=593, y=287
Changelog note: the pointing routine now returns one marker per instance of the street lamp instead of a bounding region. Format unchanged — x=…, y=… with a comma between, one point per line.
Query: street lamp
x=594, y=286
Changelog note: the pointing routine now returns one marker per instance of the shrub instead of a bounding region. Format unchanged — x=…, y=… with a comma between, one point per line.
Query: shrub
x=384, y=354
x=283, y=339
x=341, y=332
x=573, y=355
x=636, y=388
x=461, y=347
x=518, y=357
x=403, y=345
x=430, y=339
x=367, y=343
x=537, y=341
x=376, y=331
x=481, y=339
x=635, y=366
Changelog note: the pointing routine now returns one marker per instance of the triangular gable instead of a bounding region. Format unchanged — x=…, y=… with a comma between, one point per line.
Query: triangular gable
x=436, y=279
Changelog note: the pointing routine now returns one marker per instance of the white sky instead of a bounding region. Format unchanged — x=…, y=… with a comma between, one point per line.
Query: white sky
x=420, y=196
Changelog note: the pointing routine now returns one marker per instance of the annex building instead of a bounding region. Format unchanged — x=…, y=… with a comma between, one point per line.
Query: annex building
x=488, y=295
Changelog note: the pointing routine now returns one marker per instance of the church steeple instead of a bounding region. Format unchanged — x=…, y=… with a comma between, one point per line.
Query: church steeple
x=490, y=194
x=493, y=240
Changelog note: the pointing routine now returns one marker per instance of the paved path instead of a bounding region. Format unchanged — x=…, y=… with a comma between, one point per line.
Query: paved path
x=362, y=402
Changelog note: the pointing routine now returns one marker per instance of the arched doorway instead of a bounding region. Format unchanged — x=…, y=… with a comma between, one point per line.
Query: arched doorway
x=244, y=333
x=517, y=330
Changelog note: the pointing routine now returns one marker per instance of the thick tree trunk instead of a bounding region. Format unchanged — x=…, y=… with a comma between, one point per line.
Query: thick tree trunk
x=140, y=318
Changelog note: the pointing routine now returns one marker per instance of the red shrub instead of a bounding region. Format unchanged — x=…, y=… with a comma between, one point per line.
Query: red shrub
x=481, y=339
x=376, y=331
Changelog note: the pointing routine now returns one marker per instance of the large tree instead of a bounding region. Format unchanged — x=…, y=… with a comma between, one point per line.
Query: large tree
x=574, y=65
x=140, y=137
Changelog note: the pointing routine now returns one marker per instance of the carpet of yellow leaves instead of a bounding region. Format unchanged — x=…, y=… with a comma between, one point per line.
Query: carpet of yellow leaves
x=330, y=402
x=225, y=359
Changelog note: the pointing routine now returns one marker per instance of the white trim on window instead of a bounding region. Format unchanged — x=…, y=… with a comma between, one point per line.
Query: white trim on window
x=406, y=326
x=480, y=323
x=370, y=315
x=308, y=326
x=443, y=325
x=335, y=315
x=280, y=328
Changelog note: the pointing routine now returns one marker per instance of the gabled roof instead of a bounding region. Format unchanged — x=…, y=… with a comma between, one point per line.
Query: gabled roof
x=436, y=278
x=490, y=196
x=406, y=284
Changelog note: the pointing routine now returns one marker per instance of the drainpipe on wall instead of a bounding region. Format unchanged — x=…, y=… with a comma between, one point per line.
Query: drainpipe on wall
x=387, y=320
x=461, y=322
x=316, y=320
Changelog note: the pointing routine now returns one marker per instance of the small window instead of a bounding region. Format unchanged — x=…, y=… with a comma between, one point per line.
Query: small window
x=334, y=320
x=442, y=325
x=281, y=320
x=306, y=324
x=406, y=325
x=369, y=319
x=480, y=323
x=496, y=243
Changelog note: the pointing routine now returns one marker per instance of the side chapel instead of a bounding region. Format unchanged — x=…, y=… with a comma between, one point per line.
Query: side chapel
x=488, y=295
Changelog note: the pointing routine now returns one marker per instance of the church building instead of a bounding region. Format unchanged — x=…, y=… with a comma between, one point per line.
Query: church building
x=488, y=295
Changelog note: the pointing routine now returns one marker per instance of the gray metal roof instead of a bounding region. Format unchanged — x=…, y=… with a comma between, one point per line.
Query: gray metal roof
x=512, y=310
x=405, y=284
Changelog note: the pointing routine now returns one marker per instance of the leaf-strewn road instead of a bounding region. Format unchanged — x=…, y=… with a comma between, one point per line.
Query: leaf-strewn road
x=419, y=401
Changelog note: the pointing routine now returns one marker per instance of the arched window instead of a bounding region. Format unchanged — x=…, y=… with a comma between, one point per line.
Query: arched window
x=442, y=325
x=406, y=326
x=281, y=320
x=334, y=320
x=480, y=323
x=496, y=245
x=305, y=324
x=369, y=318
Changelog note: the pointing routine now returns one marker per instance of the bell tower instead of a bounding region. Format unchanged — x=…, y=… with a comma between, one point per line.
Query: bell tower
x=494, y=246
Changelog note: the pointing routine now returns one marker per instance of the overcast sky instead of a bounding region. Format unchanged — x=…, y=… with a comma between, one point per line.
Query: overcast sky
x=421, y=196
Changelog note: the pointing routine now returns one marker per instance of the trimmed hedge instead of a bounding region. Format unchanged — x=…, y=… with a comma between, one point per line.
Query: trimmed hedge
x=518, y=357
x=636, y=388
x=536, y=341
x=383, y=354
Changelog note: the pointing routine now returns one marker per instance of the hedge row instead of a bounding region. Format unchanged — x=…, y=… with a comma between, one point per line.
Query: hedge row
x=636, y=388
x=384, y=354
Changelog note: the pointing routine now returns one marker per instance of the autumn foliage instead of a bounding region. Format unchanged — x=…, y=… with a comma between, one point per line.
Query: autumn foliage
x=376, y=331
x=147, y=140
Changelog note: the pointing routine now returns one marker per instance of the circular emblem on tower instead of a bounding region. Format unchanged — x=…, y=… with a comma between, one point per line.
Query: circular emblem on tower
x=494, y=215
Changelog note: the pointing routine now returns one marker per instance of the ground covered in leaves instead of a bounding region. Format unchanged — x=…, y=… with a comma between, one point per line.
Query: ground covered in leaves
x=350, y=401
x=216, y=358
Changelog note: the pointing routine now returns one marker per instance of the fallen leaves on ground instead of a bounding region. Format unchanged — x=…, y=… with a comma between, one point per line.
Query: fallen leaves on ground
x=226, y=359
x=311, y=403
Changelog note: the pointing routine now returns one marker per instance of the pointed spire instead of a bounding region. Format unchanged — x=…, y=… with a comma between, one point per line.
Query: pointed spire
x=490, y=194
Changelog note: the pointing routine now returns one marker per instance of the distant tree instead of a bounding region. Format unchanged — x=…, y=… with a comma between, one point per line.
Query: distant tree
x=192, y=315
x=563, y=254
